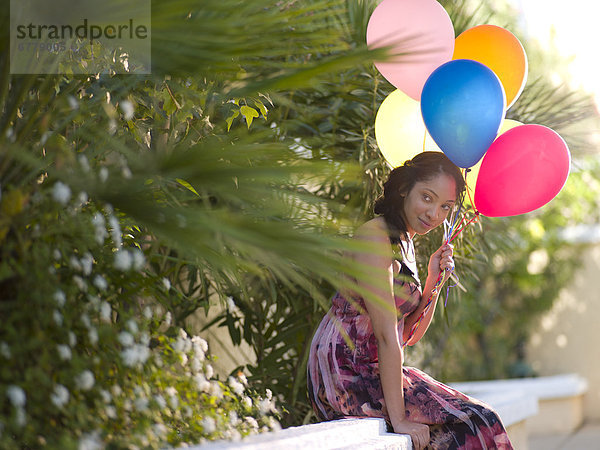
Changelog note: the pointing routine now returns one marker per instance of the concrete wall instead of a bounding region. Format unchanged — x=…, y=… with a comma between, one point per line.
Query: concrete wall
x=567, y=338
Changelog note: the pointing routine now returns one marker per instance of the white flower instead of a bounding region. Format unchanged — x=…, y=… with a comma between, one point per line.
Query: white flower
x=147, y=313
x=85, y=380
x=127, y=108
x=126, y=339
x=115, y=231
x=126, y=172
x=103, y=174
x=132, y=356
x=84, y=163
x=64, y=351
x=74, y=263
x=273, y=424
x=243, y=378
x=200, y=347
x=58, y=318
x=80, y=282
x=105, y=311
x=209, y=425
x=82, y=198
x=56, y=254
x=173, y=402
x=61, y=193
x=236, y=386
x=60, y=298
x=247, y=401
x=123, y=260
x=252, y=422
x=86, y=263
x=168, y=318
x=5, y=350
x=269, y=394
x=111, y=412
x=233, y=418
x=21, y=419
x=99, y=228
x=93, y=336
x=112, y=126
x=116, y=390
x=202, y=383
x=231, y=304
x=85, y=319
x=60, y=395
x=73, y=102
x=159, y=429
x=166, y=283
x=105, y=395
x=141, y=404
x=16, y=395
x=145, y=338
x=196, y=365
x=265, y=406
x=72, y=339
x=215, y=389
x=90, y=441
x=138, y=259
x=208, y=370
x=160, y=400
x=132, y=325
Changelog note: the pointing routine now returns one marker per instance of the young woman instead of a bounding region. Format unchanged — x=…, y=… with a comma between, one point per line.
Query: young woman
x=366, y=377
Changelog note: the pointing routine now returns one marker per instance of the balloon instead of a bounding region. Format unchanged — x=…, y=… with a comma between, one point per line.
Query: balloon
x=421, y=37
x=499, y=50
x=399, y=129
x=463, y=106
x=471, y=177
x=522, y=170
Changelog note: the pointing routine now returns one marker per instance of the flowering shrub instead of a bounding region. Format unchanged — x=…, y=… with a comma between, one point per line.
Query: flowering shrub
x=88, y=356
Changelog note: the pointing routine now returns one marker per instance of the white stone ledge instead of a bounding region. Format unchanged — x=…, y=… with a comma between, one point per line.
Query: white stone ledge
x=343, y=434
x=543, y=388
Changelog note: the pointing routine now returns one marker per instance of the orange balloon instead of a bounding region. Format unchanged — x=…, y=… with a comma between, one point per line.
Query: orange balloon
x=499, y=50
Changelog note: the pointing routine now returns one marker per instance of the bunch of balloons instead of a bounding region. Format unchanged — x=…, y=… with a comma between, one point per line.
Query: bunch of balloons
x=452, y=96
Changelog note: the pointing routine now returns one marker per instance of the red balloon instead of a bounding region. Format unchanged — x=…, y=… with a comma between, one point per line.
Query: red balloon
x=523, y=169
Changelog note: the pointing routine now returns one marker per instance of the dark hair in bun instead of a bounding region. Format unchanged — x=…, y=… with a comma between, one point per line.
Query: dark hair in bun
x=422, y=167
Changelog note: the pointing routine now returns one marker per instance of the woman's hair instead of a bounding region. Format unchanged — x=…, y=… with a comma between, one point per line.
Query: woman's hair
x=423, y=167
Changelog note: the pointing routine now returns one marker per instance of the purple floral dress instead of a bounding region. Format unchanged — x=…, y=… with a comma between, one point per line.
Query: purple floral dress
x=343, y=380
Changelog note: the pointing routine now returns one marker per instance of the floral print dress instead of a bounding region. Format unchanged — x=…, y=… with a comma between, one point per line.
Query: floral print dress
x=343, y=379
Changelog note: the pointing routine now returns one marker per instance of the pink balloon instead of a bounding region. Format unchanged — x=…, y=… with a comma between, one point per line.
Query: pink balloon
x=523, y=169
x=421, y=35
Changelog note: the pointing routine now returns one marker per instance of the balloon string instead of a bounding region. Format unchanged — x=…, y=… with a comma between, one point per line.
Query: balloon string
x=473, y=219
x=424, y=139
x=438, y=283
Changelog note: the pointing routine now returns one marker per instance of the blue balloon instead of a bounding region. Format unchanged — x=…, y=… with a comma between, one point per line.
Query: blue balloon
x=463, y=105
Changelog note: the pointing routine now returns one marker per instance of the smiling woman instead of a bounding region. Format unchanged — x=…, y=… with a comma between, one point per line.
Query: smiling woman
x=355, y=365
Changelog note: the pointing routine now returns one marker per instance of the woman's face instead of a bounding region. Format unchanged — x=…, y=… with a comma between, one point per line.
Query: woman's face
x=428, y=203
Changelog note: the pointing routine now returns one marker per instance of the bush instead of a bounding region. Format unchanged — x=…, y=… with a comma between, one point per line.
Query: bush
x=88, y=357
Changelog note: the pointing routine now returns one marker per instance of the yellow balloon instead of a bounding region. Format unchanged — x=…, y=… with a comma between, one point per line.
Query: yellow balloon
x=473, y=173
x=399, y=129
x=498, y=49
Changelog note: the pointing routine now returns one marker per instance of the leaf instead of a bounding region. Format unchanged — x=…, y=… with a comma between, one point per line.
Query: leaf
x=230, y=119
x=261, y=107
x=249, y=114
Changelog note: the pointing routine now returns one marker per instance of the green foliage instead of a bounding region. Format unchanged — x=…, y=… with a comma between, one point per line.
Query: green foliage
x=193, y=206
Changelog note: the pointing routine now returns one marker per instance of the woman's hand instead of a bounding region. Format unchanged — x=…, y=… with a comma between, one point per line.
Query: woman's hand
x=440, y=261
x=419, y=432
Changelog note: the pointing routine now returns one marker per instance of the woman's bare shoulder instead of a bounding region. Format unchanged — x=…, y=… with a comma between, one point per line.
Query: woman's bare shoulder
x=373, y=230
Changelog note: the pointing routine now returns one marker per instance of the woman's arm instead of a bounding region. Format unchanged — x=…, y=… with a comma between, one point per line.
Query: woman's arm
x=439, y=261
x=382, y=312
